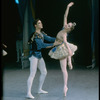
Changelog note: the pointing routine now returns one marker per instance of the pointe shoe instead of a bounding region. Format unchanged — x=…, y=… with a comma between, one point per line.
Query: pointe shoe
x=65, y=91
x=70, y=66
x=29, y=96
x=42, y=91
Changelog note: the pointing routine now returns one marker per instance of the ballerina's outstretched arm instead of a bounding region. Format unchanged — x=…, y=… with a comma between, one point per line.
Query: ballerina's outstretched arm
x=66, y=14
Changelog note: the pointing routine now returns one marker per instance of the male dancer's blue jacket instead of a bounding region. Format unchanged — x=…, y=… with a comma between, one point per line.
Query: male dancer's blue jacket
x=38, y=43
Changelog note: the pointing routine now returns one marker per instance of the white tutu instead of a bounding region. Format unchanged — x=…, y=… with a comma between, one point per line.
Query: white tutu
x=61, y=51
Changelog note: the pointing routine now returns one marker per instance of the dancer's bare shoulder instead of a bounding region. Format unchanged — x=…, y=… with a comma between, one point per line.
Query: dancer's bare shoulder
x=61, y=34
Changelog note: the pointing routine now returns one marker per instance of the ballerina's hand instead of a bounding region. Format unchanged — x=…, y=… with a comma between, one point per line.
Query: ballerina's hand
x=70, y=4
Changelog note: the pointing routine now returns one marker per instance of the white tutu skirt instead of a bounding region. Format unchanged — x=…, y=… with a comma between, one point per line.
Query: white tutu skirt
x=61, y=51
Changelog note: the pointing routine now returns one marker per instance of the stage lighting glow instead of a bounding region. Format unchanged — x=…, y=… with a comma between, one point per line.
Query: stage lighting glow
x=17, y=1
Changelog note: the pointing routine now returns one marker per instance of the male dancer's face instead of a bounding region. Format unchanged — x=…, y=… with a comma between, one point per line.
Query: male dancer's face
x=39, y=25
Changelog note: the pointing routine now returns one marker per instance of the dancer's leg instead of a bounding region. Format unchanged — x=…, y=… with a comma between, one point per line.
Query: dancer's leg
x=33, y=69
x=63, y=64
x=70, y=63
x=43, y=71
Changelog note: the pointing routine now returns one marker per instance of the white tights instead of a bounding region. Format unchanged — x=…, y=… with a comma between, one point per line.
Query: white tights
x=63, y=64
x=34, y=64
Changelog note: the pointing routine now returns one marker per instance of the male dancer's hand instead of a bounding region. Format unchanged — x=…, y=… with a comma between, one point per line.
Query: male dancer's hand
x=56, y=43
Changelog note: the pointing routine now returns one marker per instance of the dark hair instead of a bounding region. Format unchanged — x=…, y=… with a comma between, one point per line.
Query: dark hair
x=35, y=21
x=72, y=28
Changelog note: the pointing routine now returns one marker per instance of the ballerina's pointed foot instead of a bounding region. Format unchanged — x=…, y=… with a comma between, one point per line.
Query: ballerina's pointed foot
x=65, y=91
x=42, y=91
x=29, y=96
x=70, y=66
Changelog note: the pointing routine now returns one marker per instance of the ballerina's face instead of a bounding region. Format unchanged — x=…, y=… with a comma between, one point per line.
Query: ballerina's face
x=70, y=26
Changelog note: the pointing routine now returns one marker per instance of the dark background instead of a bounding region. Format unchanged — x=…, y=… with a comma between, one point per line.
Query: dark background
x=51, y=13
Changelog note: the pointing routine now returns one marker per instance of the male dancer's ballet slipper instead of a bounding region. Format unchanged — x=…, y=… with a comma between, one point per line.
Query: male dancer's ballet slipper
x=42, y=91
x=29, y=96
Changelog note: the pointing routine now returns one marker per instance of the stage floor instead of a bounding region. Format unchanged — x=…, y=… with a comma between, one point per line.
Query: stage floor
x=83, y=84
